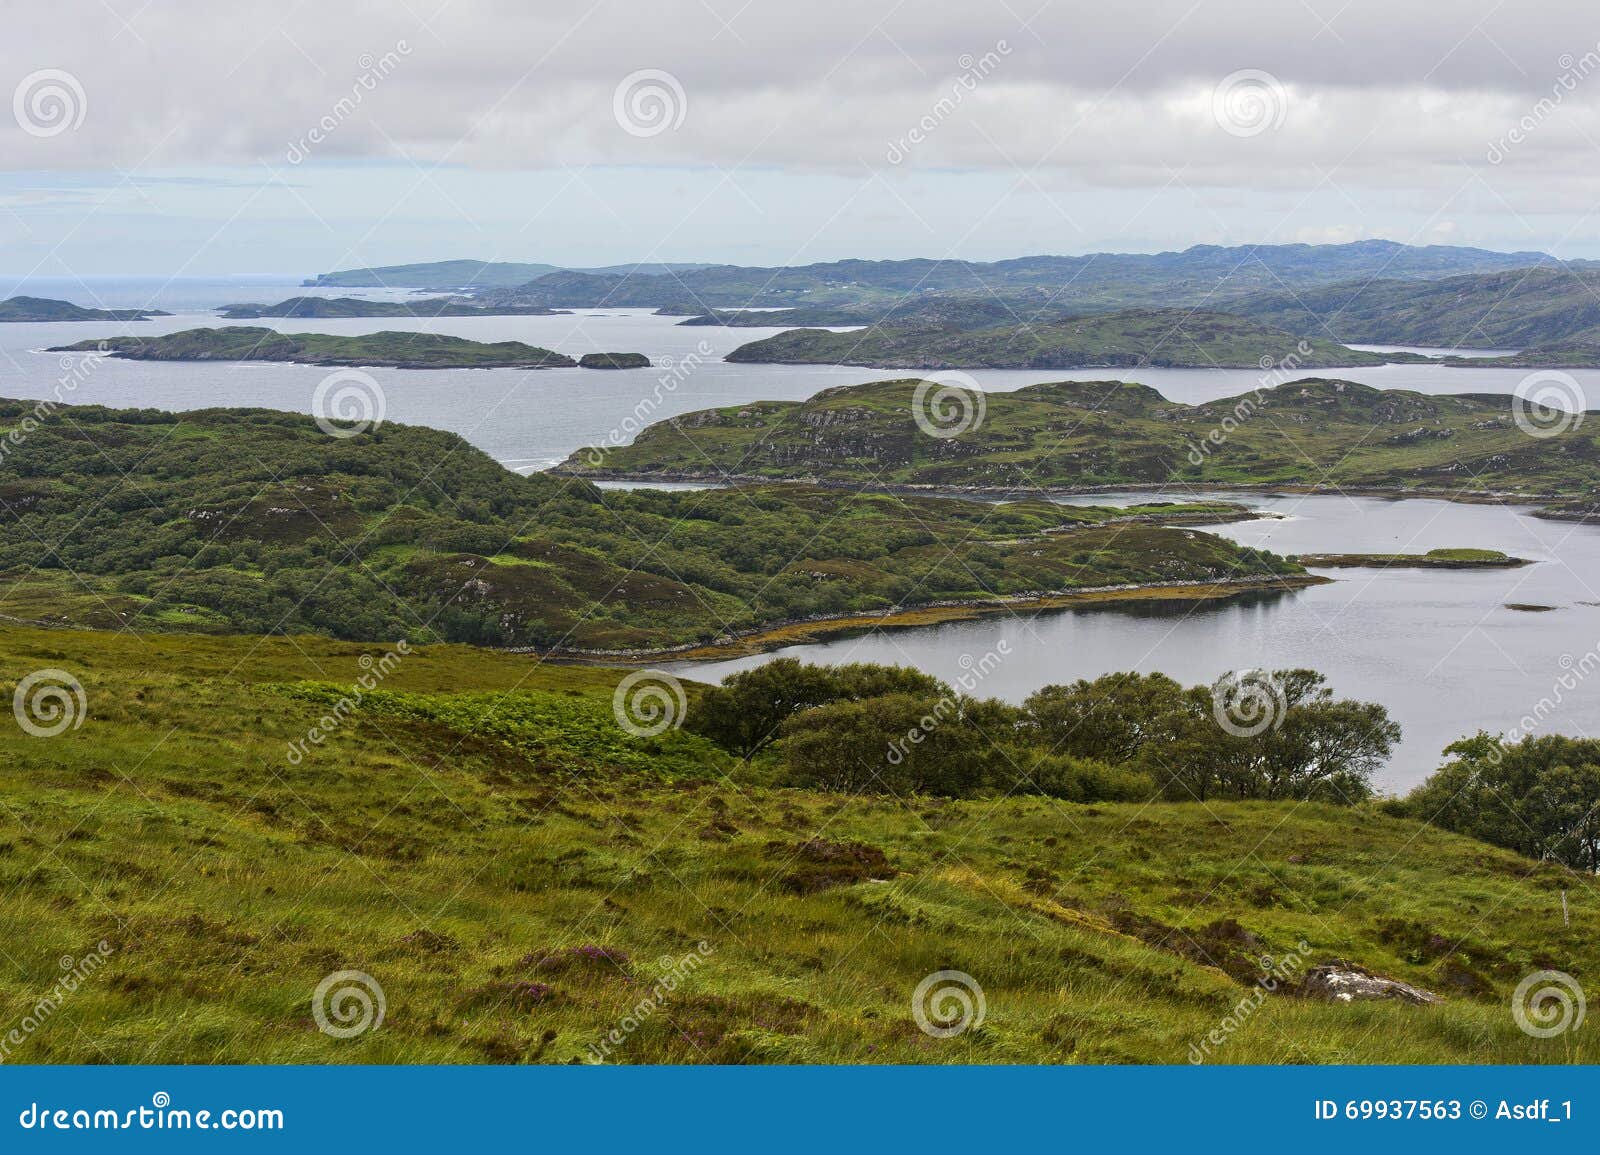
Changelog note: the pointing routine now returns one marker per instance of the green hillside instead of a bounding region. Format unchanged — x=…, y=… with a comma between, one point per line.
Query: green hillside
x=517, y=888
x=1145, y=337
x=1510, y=309
x=1080, y=435
x=253, y=521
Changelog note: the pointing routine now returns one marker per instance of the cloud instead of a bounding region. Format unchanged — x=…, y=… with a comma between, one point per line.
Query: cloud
x=1118, y=94
x=1472, y=112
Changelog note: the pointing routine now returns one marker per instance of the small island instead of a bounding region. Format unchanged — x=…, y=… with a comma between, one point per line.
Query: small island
x=356, y=307
x=614, y=361
x=45, y=309
x=1433, y=559
x=387, y=349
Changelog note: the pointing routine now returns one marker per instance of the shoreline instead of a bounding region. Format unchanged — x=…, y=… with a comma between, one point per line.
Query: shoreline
x=911, y=489
x=799, y=631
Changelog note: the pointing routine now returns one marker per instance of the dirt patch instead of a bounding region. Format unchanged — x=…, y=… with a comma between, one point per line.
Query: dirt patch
x=1223, y=944
x=818, y=864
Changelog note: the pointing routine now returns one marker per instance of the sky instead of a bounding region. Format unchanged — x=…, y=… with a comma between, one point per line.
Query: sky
x=181, y=137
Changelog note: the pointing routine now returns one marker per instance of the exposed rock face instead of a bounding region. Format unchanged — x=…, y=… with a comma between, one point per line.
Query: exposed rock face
x=1342, y=982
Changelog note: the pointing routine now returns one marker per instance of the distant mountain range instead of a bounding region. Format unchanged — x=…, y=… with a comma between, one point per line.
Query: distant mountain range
x=1202, y=274
x=1500, y=310
x=357, y=307
x=451, y=276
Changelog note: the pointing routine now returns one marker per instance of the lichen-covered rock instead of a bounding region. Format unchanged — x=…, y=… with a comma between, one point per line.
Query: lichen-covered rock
x=1342, y=982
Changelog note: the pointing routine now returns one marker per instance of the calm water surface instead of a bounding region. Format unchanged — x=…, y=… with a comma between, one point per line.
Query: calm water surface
x=530, y=420
x=1440, y=649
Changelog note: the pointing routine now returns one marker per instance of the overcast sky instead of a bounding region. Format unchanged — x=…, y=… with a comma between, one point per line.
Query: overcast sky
x=185, y=136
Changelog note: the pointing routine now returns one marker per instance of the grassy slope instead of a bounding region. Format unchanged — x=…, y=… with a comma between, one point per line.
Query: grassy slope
x=254, y=521
x=401, y=350
x=229, y=883
x=1163, y=337
x=1085, y=434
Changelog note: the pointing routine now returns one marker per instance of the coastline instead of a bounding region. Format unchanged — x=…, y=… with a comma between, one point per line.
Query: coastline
x=908, y=489
x=797, y=631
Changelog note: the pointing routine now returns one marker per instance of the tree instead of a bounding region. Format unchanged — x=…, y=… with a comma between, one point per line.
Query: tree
x=1111, y=718
x=894, y=744
x=745, y=714
x=1539, y=797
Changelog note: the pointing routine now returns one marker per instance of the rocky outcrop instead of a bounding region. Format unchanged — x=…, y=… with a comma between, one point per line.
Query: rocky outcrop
x=1342, y=982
